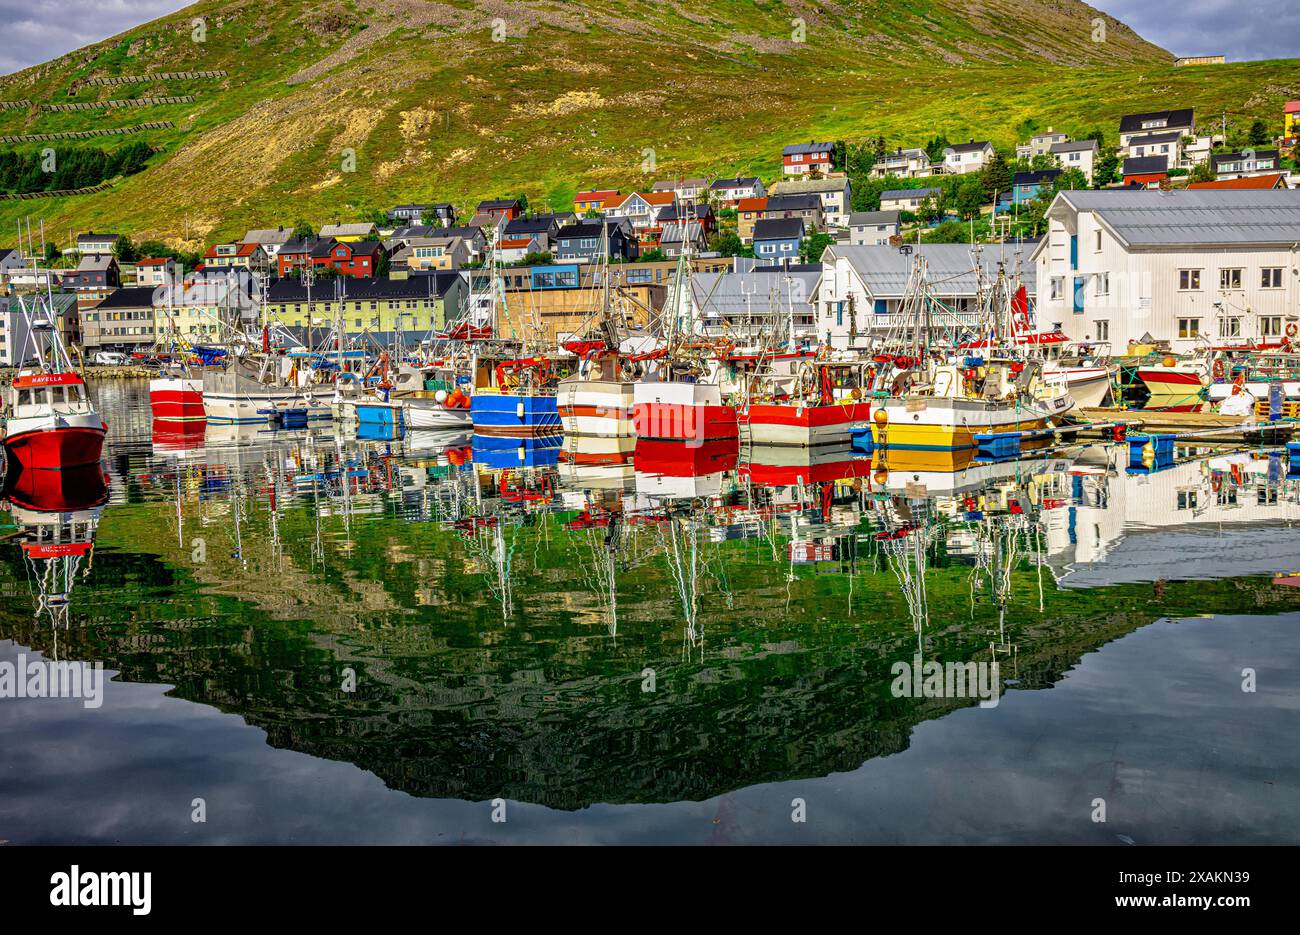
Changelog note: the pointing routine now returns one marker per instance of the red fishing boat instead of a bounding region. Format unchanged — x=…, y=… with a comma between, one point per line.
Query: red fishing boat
x=51, y=423
x=814, y=405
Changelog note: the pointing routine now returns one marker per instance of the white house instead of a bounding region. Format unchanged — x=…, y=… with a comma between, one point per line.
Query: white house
x=731, y=191
x=1181, y=121
x=906, y=199
x=1081, y=155
x=872, y=228
x=835, y=193
x=271, y=238
x=1245, y=164
x=1166, y=145
x=1040, y=144
x=967, y=157
x=1186, y=266
x=862, y=288
x=904, y=163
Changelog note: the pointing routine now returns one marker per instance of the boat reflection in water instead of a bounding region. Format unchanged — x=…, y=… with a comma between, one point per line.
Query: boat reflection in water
x=56, y=514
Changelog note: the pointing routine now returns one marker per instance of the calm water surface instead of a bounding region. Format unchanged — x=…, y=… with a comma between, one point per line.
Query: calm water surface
x=349, y=640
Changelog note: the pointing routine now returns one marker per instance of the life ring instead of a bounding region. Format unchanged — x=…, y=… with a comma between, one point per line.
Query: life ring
x=1292, y=329
x=1218, y=369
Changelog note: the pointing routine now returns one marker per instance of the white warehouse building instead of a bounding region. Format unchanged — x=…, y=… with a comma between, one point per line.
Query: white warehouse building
x=1191, y=267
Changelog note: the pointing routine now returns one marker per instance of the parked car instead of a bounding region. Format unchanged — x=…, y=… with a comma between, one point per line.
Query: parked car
x=110, y=358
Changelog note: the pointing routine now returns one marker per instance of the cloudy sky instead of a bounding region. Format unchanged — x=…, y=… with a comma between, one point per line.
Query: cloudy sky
x=38, y=30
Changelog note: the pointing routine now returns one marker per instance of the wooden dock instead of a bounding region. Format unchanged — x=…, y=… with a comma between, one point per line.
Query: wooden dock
x=1188, y=424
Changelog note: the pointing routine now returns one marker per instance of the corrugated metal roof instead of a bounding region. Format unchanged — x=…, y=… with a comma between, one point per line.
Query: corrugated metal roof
x=951, y=268
x=1200, y=216
x=753, y=293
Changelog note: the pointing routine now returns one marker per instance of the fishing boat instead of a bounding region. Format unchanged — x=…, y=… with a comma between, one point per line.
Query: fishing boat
x=516, y=399
x=939, y=394
x=813, y=403
x=50, y=422
x=176, y=394
x=1174, y=384
x=177, y=397
x=246, y=388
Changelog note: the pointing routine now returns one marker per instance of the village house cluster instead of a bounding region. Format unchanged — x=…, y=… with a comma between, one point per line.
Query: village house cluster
x=1153, y=255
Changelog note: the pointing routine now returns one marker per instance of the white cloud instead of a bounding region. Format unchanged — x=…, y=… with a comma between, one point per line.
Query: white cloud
x=38, y=30
x=1241, y=31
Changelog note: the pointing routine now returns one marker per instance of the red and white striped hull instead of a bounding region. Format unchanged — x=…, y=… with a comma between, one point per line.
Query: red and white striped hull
x=596, y=408
x=802, y=426
x=691, y=412
x=177, y=399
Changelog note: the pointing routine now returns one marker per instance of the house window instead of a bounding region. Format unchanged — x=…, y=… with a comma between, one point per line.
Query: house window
x=1187, y=499
x=1270, y=277
x=1058, y=287
x=1230, y=327
x=1189, y=280
x=1271, y=326
x=1230, y=279
x=1102, y=328
x=1266, y=496
x=1189, y=327
x=1096, y=244
x=1103, y=284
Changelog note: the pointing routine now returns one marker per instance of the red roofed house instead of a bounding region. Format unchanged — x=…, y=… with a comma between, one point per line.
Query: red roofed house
x=514, y=249
x=748, y=211
x=642, y=208
x=596, y=200
x=249, y=256
x=1145, y=171
x=1277, y=180
x=155, y=271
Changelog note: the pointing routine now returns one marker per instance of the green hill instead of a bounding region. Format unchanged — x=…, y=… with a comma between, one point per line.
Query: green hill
x=433, y=107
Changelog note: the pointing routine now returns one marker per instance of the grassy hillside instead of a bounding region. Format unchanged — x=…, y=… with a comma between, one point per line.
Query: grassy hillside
x=434, y=108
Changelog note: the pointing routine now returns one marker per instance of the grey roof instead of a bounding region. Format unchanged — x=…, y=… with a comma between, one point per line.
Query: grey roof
x=801, y=148
x=1195, y=216
x=778, y=229
x=93, y=237
x=674, y=231
x=96, y=261
x=898, y=154
x=753, y=292
x=271, y=235
x=973, y=146
x=895, y=193
x=808, y=201
x=1147, y=139
x=1240, y=156
x=737, y=182
x=1078, y=146
x=873, y=218
x=885, y=270
x=359, y=229
x=804, y=186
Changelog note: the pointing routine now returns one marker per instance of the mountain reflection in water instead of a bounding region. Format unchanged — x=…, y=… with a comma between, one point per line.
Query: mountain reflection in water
x=506, y=622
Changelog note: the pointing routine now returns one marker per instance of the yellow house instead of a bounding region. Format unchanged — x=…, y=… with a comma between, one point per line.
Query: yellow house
x=1291, y=120
x=595, y=201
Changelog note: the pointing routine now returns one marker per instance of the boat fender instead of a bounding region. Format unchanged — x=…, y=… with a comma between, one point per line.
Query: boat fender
x=519, y=409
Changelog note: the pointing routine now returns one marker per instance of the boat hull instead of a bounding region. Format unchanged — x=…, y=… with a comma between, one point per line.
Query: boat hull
x=597, y=408
x=56, y=447
x=1173, y=390
x=177, y=399
x=690, y=412
x=507, y=415
x=801, y=426
x=949, y=424
x=1088, y=386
